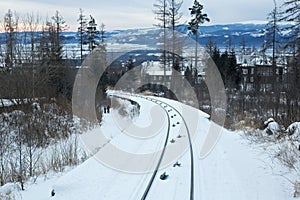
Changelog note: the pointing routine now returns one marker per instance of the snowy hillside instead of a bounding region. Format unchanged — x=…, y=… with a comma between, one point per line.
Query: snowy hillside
x=234, y=170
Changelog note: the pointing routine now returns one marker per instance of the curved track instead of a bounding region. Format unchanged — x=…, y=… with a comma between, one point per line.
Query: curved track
x=160, y=159
x=161, y=103
x=164, y=106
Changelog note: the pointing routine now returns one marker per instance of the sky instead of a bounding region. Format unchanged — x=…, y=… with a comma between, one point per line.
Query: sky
x=128, y=14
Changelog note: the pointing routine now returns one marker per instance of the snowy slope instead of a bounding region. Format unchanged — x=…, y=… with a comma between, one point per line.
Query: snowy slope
x=233, y=170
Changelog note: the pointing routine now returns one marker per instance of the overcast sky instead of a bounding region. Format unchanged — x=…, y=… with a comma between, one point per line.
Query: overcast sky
x=125, y=14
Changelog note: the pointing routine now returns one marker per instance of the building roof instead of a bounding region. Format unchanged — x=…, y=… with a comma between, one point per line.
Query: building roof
x=155, y=68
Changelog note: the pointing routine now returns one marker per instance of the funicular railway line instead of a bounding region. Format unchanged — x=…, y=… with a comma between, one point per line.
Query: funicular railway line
x=168, y=109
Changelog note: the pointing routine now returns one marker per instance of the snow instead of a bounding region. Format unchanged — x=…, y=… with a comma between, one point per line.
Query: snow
x=294, y=130
x=257, y=35
x=252, y=22
x=234, y=170
x=12, y=102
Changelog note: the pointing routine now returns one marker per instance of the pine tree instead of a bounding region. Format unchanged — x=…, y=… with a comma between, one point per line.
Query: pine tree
x=55, y=27
x=197, y=18
x=228, y=67
x=189, y=76
x=51, y=54
x=92, y=33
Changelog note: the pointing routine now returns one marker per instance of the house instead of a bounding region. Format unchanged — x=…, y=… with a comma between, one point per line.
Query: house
x=262, y=77
x=154, y=72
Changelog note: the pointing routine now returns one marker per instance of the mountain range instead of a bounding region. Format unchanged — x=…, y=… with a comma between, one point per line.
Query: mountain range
x=253, y=34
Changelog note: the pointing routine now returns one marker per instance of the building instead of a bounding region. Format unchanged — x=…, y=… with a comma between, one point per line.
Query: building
x=260, y=77
x=154, y=72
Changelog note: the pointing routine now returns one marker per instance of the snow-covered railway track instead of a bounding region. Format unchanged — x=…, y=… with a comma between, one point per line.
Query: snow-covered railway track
x=168, y=108
x=161, y=156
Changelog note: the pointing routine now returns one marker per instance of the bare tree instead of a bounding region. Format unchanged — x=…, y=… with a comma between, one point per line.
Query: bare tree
x=291, y=13
x=272, y=31
x=10, y=27
x=82, y=30
x=175, y=15
x=210, y=46
x=33, y=23
x=161, y=12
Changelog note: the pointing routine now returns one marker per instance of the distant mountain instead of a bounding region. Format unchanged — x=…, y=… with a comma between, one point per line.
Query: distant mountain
x=253, y=33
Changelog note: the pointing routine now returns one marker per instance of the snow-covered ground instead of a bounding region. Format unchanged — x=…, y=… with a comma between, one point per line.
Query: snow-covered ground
x=234, y=170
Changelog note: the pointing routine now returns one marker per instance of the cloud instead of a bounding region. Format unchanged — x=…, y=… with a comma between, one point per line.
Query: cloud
x=120, y=14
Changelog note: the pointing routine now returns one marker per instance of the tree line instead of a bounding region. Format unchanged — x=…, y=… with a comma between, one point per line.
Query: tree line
x=33, y=50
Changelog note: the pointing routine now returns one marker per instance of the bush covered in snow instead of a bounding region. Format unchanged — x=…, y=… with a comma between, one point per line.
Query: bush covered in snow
x=125, y=107
x=283, y=146
x=36, y=141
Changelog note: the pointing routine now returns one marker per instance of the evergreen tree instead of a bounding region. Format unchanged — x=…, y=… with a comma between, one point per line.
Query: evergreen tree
x=55, y=27
x=51, y=55
x=188, y=74
x=92, y=33
x=197, y=18
x=228, y=67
